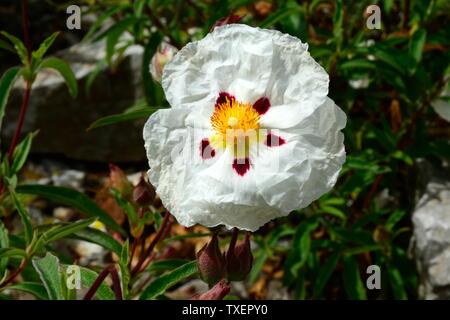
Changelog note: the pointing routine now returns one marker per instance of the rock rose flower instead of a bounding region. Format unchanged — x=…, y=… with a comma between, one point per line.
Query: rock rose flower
x=251, y=134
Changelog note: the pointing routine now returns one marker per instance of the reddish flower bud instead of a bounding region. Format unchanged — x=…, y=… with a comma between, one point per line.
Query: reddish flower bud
x=218, y=292
x=239, y=260
x=226, y=20
x=210, y=262
x=119, y=181
x=143, y=193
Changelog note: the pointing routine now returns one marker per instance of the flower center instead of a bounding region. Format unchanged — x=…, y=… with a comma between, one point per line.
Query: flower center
x=234, y=122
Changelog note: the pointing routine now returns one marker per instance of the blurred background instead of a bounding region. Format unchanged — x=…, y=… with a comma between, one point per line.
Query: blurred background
x=391, y=205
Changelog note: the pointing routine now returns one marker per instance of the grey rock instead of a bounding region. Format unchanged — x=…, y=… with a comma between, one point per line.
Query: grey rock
x=431, y=240
x=63, y=121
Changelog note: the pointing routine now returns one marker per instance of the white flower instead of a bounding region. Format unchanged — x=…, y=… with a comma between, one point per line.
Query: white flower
x=251, y=134
x=162, y=56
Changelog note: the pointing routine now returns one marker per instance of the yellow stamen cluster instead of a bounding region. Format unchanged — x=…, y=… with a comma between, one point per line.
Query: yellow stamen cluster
x=233, y=121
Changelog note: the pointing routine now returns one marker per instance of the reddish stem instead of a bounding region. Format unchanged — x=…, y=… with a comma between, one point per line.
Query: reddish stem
x=152, y=244
x=101, y=277
x=23, y=111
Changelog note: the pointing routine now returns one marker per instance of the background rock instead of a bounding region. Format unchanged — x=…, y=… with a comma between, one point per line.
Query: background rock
x=431, y=241
x=56, y=114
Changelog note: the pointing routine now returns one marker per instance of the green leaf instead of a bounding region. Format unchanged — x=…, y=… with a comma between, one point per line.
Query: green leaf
x=165, y=265
x=24, y=216
x=260, y=259
x=18, y=45
x=161, y=284
x=72, y=198
x=123, y=265
x=324, y=274
x=98, y=237
x=141, y=113
x=21, y=152
x=12, y=252
x=416, y=44
x=102, y=18
x=352, y=279
x=113, y=36
x=358, y=64
x=36, y=289
x=6, y=83
x=49, y=271
x=278, y=16
x=63, y=231
x=88, y=278
x=396, y=282
x=64, y=70
x=5, y=45
x=45, y=45
x=301, y=245
x=150, y=48
x=4, y=243
x=400, y=155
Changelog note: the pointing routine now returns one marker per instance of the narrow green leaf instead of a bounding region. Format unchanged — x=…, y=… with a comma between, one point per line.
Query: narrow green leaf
x=98, y=237
x=66, y=230
x=324, y=274
x=36, y=289
x=141, y=113
x=45, y=45
x=123, y=265
x=21, y=152
x=416, y=44
x=49, y=271
x=165, y=265
x=4, y=243
x=6, y=46
x=161, y=284
x=12, y=252
x=72, y=198
x=18, y=45
x=99, y=21
x=352, y=279
x=64, y=70
x=6, y=83
x=114, y=34
x=24, y=216
x=301, y=245
x=396, y=282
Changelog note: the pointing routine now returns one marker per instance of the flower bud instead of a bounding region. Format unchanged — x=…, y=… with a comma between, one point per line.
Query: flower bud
x=239, y=260
x=162, y=56
x=143, y=193
x=119, y=181
x=218, y=292
x=226, y=20
x=210, y=262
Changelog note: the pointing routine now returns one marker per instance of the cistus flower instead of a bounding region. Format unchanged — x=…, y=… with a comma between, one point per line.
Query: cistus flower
x=162, y=56
x=251, y=134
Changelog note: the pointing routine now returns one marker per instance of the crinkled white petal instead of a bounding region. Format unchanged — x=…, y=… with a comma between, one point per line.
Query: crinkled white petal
x=248, y=63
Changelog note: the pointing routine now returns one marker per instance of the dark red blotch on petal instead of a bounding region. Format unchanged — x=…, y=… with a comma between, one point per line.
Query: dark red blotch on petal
x=223, y=96
x=206, y=151
x=262, y=105
x=273, y=140
x=241, y=166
